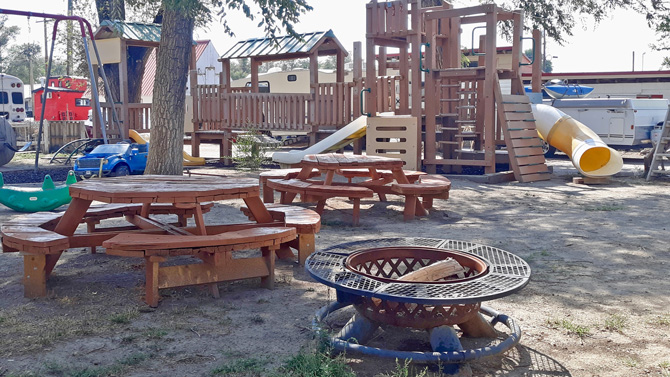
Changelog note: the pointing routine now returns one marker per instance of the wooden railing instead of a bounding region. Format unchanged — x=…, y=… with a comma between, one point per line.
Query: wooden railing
x=390, y=18
x=388, y=93
x=216, y=111
x=332, y=104
x=265, y=111
x=139, y=117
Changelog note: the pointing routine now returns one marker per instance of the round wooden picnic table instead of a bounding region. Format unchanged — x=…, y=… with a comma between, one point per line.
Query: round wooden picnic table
x=146, y=189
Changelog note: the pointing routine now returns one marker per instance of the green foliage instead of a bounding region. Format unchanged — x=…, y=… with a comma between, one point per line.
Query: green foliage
x=7, y=34
x=616, y=322
x=18, y=61
x=572, y=328
x=405, y=369
x=249, y=151
x=314, y=364
x=239, y=68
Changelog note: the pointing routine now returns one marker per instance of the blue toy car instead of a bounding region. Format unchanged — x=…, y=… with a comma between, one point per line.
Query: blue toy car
x=115, y=159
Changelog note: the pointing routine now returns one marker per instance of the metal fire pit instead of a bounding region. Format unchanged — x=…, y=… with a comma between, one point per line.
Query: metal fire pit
x=365, y=274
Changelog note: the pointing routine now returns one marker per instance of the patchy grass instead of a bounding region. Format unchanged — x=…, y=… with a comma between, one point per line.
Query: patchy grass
x=124, y=317
x=307, y=364
x=630, y=362
x=154, y=333
x=665, y=368
x=114, y=369
x=581, y=331
x=616, y=322
x=661, y=320
x=405, y=369
x=249, y=367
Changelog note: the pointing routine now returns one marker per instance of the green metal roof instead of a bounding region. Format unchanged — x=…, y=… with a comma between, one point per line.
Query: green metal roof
x=135, y=31
x=303, y=44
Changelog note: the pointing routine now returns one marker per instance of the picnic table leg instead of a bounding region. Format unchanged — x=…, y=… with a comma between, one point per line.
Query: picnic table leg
x=151, y=295
x=34, y=276
x=375, y=176
x=306, y=246
x=257, y=208
x=357, y=210
x=410, y=207
x=269, y=256
x=199, y=220
x=67, y=226
x=427, y=202
x=320, y=205
x=90, y=228
x=284, y=252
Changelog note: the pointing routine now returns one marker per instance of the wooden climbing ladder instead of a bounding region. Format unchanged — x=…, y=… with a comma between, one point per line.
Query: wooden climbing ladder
x=661, y=151
x=524, y=146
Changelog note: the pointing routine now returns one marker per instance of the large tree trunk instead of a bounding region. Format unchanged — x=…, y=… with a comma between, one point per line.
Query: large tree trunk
x=167, y=115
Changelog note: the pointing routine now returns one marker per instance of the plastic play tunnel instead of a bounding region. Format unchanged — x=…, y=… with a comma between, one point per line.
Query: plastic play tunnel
x=589, y=154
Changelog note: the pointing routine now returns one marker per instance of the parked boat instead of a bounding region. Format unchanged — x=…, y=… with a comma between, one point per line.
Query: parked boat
x=561, y=89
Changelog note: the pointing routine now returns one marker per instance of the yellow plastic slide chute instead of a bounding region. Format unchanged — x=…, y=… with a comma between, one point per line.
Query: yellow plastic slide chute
x=188, y=159
x=589, y=154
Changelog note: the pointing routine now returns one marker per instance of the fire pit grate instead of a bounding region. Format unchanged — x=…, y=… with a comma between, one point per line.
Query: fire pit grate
x=507, y=273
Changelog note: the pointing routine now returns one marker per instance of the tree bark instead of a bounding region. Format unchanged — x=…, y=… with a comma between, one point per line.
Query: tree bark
x=167, y=115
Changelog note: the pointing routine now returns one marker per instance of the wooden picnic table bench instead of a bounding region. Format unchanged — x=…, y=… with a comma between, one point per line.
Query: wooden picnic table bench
x=263, y=177
x=214, y=250
x=306, y=223
x=320, y=192
x=428, y=187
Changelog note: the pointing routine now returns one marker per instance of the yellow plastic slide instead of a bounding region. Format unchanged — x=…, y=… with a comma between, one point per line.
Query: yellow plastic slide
x=341, y=138
x=589, y=154
x=188, y=159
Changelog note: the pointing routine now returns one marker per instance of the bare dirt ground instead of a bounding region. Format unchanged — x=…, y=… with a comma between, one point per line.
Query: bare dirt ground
x=597, y=303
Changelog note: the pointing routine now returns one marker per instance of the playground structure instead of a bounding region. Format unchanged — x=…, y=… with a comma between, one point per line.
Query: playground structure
x=413, y=67
x=456, y=106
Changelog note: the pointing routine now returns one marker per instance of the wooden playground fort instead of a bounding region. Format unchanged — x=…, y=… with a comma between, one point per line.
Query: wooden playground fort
x=463, y=116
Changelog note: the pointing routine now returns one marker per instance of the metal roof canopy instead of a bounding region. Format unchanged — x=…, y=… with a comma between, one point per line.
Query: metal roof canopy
x=286, y=47
x=147, y=34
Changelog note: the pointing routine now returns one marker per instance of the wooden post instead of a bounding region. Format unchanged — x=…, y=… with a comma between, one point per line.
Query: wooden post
x=313, y=83
x=358, y=86
x=123, y=79
x=536, y=82
x=489, y=82
x=254, y=75
x=340, y=66
x=415, y=41
x=431, y=109
x=369, y=100
x=517, y=18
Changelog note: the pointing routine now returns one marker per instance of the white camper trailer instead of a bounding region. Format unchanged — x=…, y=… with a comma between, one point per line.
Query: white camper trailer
x=623, y=123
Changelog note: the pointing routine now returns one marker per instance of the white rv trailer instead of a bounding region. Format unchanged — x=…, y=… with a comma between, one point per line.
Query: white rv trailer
x=11, y=98
x=622, y=123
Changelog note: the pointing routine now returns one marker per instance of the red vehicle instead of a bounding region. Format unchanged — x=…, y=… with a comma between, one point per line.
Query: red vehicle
x=64, y=99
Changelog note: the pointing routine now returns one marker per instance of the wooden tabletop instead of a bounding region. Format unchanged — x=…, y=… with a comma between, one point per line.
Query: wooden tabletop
x=164, y=189
x=340, y=161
